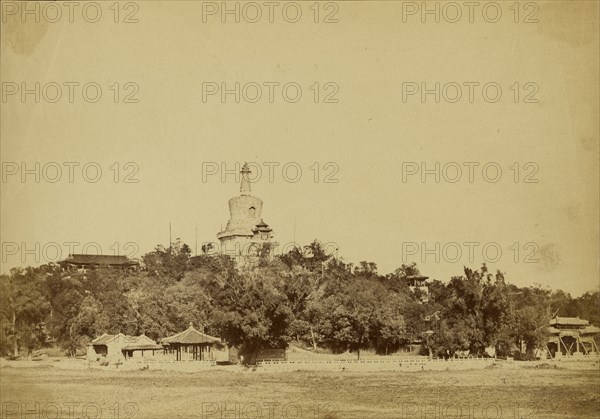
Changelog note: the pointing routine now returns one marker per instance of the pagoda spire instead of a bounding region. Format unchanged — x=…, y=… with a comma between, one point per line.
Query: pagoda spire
x=245, y=188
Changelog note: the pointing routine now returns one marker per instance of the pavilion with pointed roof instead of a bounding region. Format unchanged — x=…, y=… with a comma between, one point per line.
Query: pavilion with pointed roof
x=190, y=345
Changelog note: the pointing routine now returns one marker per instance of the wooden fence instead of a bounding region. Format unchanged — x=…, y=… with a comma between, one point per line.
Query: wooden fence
x=398, y=364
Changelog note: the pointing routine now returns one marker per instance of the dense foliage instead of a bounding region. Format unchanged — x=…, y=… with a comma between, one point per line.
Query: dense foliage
x=304, y=296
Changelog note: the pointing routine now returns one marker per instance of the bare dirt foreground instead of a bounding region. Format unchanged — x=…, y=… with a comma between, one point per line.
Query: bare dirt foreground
x=43, y=391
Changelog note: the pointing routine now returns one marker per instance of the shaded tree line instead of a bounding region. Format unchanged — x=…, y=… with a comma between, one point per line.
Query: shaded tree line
x=305, y=296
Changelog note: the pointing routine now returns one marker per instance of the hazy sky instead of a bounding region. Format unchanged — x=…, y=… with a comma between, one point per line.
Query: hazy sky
x=372, y=138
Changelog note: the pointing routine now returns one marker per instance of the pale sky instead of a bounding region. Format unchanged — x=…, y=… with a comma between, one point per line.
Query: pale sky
x=370, y=134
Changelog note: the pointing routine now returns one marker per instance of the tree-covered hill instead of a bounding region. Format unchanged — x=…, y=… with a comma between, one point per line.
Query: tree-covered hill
x=305, y=296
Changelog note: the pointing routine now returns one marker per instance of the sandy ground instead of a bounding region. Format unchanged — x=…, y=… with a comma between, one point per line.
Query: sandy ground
x=235, y=393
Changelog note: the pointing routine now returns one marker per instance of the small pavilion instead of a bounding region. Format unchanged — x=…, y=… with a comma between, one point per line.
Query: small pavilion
x=190, y=345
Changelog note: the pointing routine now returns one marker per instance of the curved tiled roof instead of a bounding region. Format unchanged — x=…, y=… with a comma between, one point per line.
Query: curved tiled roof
x=590, y=330
x=100, y=260
x=262, y=224
x=142, y=347
x=120, y=337
x=569, y=321
x=190, y=336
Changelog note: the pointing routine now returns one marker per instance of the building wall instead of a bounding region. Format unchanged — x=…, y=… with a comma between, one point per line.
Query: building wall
x=244, y=213
x=96, y=352
x=273, y=354
x=236, y=245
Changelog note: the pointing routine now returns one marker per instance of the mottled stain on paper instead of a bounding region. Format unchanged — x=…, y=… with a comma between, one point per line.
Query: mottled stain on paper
x=589, y=144
x=23, y=38
x=574, y=23
x=573, y=211
x=549, y=257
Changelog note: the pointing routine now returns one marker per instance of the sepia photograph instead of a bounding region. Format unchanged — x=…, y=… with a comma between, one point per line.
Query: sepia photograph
x=310, y=209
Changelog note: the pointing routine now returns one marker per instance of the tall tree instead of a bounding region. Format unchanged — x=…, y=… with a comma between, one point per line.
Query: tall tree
x=253, y=312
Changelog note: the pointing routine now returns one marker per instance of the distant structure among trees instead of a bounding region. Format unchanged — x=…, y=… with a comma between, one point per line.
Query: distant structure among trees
x=418, y=285
x=83, y=261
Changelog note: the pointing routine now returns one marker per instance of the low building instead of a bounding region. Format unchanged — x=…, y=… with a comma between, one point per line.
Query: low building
x=191, y=345
x=119, y=347
x=83, y=262
x=572, y=336
x=142, y=348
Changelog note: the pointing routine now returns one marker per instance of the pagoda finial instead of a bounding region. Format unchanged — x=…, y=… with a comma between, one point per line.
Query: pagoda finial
x=245, y=188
